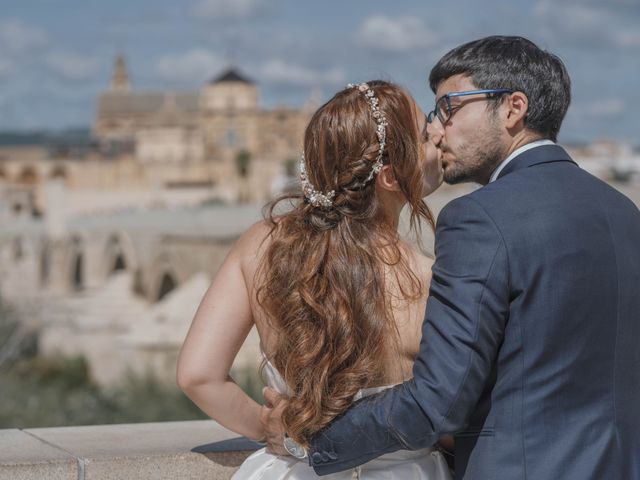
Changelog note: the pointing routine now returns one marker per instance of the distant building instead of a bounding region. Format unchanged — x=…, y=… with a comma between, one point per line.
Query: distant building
x=214, y=124
x=154, y=148
x=608, y=159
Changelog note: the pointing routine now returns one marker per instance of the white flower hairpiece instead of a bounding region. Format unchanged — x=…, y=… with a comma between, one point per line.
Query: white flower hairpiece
x=316, y=198
x=320, y=199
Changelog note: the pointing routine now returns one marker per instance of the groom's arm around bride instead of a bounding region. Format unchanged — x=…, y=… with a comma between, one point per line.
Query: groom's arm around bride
x=529, y=351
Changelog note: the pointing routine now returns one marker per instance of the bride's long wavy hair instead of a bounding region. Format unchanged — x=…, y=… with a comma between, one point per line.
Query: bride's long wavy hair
x=324, y=279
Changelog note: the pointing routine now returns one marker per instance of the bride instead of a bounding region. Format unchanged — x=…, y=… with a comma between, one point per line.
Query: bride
x=336, y=295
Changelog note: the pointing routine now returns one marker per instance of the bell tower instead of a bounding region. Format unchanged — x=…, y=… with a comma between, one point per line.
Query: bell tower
x=120, y=79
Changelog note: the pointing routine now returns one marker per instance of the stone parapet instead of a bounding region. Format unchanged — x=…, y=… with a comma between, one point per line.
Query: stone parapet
x=168, y=450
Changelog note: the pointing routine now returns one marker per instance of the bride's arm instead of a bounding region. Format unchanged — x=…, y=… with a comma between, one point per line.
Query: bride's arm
x=219, y=328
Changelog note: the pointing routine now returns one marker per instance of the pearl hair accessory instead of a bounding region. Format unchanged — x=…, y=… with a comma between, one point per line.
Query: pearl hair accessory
x=320, y=199
x=316, y=198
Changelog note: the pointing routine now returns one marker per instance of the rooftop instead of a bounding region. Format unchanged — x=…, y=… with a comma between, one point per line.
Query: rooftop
x=232, y=75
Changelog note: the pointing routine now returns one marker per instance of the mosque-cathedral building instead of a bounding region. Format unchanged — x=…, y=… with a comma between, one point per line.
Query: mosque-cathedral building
x=214, y=124
x=165, y=147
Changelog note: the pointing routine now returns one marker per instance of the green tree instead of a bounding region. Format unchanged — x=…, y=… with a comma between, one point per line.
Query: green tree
x=243, y=161
x=621, y=175
x=16, y=339
x=38, y=391
x=291, y=167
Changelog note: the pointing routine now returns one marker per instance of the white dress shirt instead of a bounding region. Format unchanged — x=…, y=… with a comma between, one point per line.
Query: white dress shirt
x=515, y=153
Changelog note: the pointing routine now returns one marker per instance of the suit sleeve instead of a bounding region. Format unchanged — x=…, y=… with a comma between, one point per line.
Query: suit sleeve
x=463, y=328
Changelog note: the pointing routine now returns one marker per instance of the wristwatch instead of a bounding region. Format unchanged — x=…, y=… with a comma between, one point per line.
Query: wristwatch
x=294, y=448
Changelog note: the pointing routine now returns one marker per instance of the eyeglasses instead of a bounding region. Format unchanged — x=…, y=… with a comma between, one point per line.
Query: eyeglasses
x=444, y=110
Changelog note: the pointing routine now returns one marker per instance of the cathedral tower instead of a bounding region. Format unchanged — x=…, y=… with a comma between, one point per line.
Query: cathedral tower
x=120, y=79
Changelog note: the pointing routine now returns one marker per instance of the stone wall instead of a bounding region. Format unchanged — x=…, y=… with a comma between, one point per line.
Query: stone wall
x=169, y=450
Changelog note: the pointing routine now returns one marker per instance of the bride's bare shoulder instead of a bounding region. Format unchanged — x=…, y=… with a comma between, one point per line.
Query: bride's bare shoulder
x=252, y=243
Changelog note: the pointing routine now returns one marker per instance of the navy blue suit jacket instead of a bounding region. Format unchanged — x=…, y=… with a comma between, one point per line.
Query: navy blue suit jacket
x=530, y=351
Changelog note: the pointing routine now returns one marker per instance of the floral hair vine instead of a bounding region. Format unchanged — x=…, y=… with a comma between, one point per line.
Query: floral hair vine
x=320, y=199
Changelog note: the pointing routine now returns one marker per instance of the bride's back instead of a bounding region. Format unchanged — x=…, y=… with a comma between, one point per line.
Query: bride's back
x=337, y=298
x=408, y=312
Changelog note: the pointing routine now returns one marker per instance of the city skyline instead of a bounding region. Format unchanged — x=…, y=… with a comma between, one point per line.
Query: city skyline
x=57, y=56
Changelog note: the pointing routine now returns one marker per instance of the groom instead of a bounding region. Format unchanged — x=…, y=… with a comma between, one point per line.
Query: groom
x=530, y=351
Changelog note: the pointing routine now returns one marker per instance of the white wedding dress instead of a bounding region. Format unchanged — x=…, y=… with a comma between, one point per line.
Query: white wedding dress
x=425, y=464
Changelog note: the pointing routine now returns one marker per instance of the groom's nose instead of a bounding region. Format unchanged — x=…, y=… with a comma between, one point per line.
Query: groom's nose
x=434, y=129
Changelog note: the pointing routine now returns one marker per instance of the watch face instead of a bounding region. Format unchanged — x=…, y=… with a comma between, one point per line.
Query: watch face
x=294, y=448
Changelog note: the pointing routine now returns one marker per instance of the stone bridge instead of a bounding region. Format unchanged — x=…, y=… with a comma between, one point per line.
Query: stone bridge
x=121, y=288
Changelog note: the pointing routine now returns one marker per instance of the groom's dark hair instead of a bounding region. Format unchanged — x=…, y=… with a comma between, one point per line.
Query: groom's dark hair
x=518, y=64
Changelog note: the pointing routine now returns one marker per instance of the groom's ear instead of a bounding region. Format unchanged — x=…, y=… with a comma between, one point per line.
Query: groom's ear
x=517, y=107
x=387, y=179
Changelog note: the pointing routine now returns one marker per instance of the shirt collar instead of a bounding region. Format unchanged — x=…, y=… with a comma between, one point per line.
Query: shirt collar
x=515, y=153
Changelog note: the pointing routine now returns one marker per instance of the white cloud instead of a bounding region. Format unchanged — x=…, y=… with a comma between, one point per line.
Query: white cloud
x=193, y=67
x=17, y=37
x=72, y=66
x=228, y=9
x=606, y=108
x=627, y=39
x=583, y=14
x=587, y=23
x=570, y=22
x=279, y=71
x=609, y=5
x=395, y=34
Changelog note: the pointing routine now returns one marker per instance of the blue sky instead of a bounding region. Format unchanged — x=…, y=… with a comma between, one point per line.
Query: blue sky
x=57, y=55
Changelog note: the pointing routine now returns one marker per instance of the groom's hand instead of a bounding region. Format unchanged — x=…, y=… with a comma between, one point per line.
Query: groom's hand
x=271, y=420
